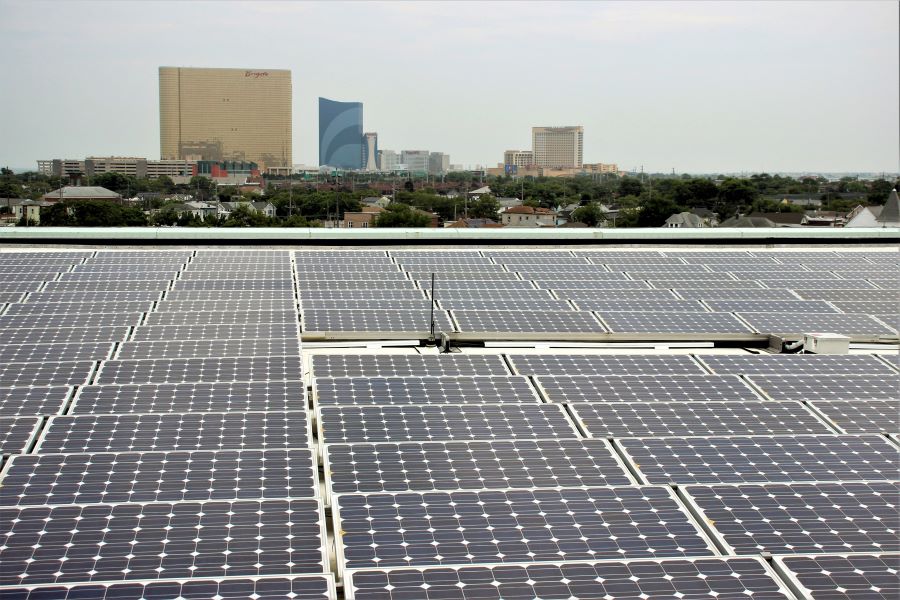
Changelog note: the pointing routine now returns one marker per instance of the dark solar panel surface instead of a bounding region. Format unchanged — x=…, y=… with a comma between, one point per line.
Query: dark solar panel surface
x=406, y=365
x=63, y=335
x=427, y=466
x=184, y=370
x=49, y=479
x=175, y=530
x=673, y=322
x=17, y=433
x=394, y=320
x=215, y=348
x=788, y=364
x=54, y=352
x=215, y=332
x=52, y=308
x=45, y=373
x=799, y=323
x=362, y=391
x=527, y=321
x=230, y=397
x=163, y=431
x=567, y=524
x=82, y=298
x=32, y=400
x=862, y=416
x=45, y=321
x=425, y=423
x=644, y=388
x=763, y=459
x=638, y=419
x=844, y=576
x=826, y=387
x=802, y=517
x=724, y=578
x=599, y=364
x=225, y=315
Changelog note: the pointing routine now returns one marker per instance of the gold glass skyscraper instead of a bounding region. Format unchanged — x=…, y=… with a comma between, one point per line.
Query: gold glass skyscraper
x=225, y=114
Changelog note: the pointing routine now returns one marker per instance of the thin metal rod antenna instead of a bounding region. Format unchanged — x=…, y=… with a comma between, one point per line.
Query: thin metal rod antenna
x=432, y=308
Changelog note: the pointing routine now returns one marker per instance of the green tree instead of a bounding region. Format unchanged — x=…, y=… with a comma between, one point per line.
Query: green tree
x=486, y=207
x=879, y=191
x=401, y=215
x=244, y=216
x=56, y=215
x=655, y=211
x=735, y=195
x=590, y=214
x=630, y=186
x=165, y=217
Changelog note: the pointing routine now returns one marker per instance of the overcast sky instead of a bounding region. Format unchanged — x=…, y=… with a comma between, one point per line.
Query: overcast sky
x=698, y=87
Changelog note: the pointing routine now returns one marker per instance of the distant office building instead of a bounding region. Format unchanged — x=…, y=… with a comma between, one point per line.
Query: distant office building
x=225, y=114
x=438, y=163
x=125, y=165
x=416, y=161
x=341, y=134
x=518, y=158
x=388, y=160
x=371, y=149
x=558, y=147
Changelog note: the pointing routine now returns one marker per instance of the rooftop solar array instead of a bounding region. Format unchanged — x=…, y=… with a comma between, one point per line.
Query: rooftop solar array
x=162, y=423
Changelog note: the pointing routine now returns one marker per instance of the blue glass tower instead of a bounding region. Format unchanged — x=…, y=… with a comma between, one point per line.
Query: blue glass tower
x=341, y=142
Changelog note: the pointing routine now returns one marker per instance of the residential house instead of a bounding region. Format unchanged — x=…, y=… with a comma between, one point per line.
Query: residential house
x=864, y=216
x=362, y=219
x=684, y=220
x=781, y=219
x=708, y=217
x=475, y=223
x=747, y=221
x=30, y=209
x=527, y=216
x=77, y=192
x=890, y=214
x=482, y=191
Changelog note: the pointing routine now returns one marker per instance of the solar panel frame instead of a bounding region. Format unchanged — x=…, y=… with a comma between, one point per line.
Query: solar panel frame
x=762, y=294
x=860, y=416
x=208, y=348
x=14, y=352
x=526, y=322
x=868, y=308
x=70, y=320
x=46, y=373
x=422, y=391
x=11, y=297
x=471, y=465
x=636, y=293
x=219, y=317
x=269, y=304
x=673, y=305
x=510, y=502
x=30, y=400
x=274, y=285
x=799, y=517
x=176, y=476
x=591, y=284
x=708, y=323
x=227, y=331
x=268, y=587
x=307, y=518
x=321, y=321
x=407, y=365
x=107, y=286
x=211, y=296
x=771, y=306
x=9, y=287
x=598, y=580
x=760, y=459
x=137, y=432
x=233, y=397
x=840, y=576
x=855, y=295
x=45, y=297
x=789, y=364
x=514, y=305
x=71, y=308
x=404, y=294
x=598, y=388
x=823, y=387
x=456, y=420
x=197, y=370
x=17, y=434
x=581, y=364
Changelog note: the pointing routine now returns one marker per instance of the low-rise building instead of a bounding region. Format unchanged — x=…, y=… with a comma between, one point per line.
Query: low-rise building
x=29, y=209
x=684, y=220
x=76, y=192
x=474, y=223
x=528, y=216
x=364, y=218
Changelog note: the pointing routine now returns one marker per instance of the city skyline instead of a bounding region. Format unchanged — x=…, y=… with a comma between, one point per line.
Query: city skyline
x=710, y=87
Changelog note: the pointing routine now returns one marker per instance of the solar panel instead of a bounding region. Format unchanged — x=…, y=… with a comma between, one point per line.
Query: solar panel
x=162, y=277
x=424, y=423
x=27, y=276
x=362, y=391
x=825, y=386
x=643, y=388
x=46, y=373
x=215, y=332
x=32, y=400
x=772, y=306
x=321, y=303
x=11, y=296
x=827, y=284
x=230, y=397
x=718, y=293
x=162, y=431
x=798, y=323
x=861, y=416
x=869, y=308
x=593, y=295
x=254, y=274
x=186, y=370
x=424, y=278
x=462, y=527
x=9, y=287
x=843, y=576
x=788, y=364
x=715, y=281
x=891, y=359
x=801, y=517
x=323, y=320
x=527, y=321
x=641, y=305
x=475, y=284
x=429, y=466
x=268, y=304
x=691, y=578
x=69, y=320
x=234, y=284
x=54, y=479
x=295, y=587
x=54, y=352
x=105, y=285
x=162, y=540
x=603, y=364
x=420, y=254
x=585, y=283
x=762, y=459
x=362, y=284
x=638, y=419
x=498, y=255
x=17, y=434
x=516, y=305
x=832, y=294
x=410, y=294
x=470, y=294
x=210, y=348
x=785, y=274
x=557, y=259
x=673, y=322
x=83, y=298
x=207, y=297
x=224, y=316
x=62, y=335
x=94, y=308
x=406, y=365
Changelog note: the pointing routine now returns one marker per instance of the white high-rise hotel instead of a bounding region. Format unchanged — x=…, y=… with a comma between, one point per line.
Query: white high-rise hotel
x=558, y=147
